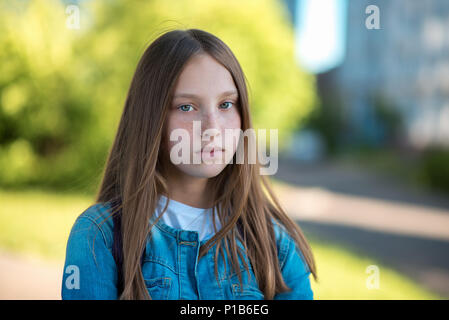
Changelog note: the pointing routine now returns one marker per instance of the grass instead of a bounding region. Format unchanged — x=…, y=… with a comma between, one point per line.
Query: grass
x=39, y=223
x=344, y=275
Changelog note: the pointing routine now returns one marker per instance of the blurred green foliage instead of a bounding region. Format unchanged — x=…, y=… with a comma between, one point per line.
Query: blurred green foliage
x=434, y=168
x=327, y=118
x=389, y=118
x=62, y=90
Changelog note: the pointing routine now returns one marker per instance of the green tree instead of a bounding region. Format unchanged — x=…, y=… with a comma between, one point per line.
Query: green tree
x=62, y=90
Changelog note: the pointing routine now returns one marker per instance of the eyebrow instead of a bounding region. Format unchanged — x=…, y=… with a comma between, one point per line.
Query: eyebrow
x=191, y=95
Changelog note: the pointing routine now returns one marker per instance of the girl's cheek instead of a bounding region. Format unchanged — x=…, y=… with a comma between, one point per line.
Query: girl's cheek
x=232, y=121
x=176, y=124
x=176, y=120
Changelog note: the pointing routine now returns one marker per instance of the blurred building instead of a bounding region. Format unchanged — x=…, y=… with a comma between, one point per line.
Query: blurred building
x=393, y=84
x=401, y=69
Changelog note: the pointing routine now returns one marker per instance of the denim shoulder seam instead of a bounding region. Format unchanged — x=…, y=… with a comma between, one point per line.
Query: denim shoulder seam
x=98, y=226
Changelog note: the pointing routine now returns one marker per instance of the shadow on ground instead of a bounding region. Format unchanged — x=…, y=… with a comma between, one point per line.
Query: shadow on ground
x=352, y=180
x=426, y=261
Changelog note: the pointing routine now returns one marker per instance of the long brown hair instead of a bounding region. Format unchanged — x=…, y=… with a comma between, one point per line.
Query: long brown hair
x=135, y=171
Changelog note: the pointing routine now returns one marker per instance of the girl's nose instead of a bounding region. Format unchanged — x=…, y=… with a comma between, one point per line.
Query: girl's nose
x=210, y=125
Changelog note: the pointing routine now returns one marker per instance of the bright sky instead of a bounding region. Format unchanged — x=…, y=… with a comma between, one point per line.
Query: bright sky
x=320, y=34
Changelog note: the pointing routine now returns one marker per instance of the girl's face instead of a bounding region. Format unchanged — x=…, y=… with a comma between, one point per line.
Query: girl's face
x=205, y=93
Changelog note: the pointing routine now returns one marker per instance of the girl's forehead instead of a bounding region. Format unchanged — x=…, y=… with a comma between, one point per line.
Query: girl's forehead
x=203, y=75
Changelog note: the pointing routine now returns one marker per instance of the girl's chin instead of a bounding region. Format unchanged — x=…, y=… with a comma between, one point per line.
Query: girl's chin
x=202, y=170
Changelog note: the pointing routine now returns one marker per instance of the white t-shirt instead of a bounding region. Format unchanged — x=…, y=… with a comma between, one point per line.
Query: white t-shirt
x=185, y=217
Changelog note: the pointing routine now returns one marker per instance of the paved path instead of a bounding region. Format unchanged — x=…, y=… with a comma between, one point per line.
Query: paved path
x=24, y=278
x=403, y=226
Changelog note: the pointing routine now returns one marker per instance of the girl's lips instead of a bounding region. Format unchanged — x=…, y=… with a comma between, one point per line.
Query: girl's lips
x=211, y=153
x=215, y=151
x=209, y=150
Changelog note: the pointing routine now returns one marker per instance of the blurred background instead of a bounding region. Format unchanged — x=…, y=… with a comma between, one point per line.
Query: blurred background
x=359, y=91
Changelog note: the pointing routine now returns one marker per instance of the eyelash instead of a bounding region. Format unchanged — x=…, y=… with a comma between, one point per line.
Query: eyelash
x=233, y=103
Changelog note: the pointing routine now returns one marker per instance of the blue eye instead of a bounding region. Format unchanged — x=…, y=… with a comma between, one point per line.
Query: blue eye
x=183, y=109
x=229, y=105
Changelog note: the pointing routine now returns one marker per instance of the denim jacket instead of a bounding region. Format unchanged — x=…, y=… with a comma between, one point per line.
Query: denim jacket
x=171, y=268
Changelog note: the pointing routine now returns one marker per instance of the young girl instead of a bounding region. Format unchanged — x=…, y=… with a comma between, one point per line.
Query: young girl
x=161, y=229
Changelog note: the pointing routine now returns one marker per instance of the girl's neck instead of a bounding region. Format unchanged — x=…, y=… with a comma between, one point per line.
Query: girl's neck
x=189, y=190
